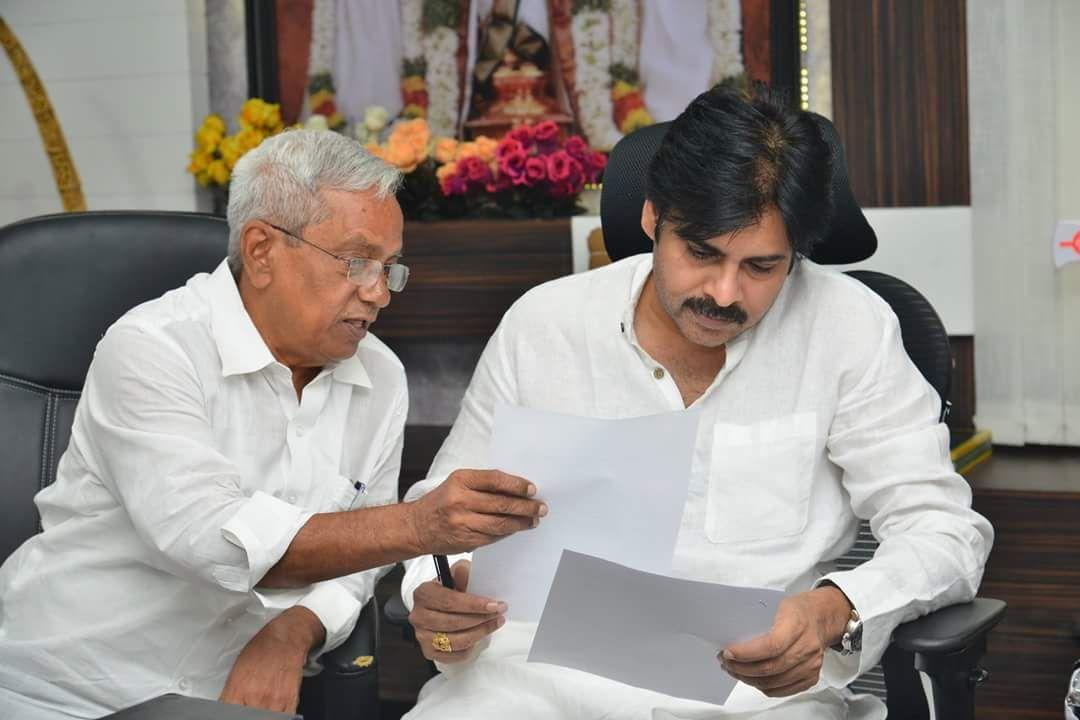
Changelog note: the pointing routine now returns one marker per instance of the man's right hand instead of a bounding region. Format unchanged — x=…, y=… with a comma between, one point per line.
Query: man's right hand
x=472, y=508
x=466, y=619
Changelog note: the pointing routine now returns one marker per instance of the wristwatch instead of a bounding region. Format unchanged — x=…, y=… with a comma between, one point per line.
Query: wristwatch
x=851, y=640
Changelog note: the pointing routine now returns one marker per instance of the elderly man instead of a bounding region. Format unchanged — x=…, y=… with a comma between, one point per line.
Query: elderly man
x=812, y=416
x=227, y=501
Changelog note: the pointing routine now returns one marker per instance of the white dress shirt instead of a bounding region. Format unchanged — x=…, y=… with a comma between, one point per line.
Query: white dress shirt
x=818, y=419
x=190, y=469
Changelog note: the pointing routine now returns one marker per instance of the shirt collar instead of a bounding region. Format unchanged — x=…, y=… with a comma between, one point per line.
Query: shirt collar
x=242, y=348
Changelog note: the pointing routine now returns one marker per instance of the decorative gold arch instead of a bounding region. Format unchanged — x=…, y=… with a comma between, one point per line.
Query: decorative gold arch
x=67, y=180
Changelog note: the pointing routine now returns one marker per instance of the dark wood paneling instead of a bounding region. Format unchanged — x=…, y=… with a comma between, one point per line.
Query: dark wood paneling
x=899, y=78
x=1035, y=568
x=962, y=391
x=293, y=49
x=465, y=274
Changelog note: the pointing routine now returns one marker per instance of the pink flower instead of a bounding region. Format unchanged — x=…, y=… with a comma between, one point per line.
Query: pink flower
x=512, y=164
x=508, y=146
x=577, y=148
x=547, y=137
x=523, y=134
x=456, y=184
x=475, y=170
x=499, y=183
x=558, y=166
x=594, y=166
x=535, y=171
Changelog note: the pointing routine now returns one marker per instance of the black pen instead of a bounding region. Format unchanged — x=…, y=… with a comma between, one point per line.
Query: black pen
x=442, y=567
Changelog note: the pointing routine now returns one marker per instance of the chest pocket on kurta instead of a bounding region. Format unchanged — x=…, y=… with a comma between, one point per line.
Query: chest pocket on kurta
x=760, y=479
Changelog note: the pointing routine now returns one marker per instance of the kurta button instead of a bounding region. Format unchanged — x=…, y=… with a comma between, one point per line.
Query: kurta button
x=658, y=373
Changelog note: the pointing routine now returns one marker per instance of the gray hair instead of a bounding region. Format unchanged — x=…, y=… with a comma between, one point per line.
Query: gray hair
x=281, y=181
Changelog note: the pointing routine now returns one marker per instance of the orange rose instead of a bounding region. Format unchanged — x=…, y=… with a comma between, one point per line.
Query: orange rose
x=445, y=149
x=467, y=150
x=485, y=147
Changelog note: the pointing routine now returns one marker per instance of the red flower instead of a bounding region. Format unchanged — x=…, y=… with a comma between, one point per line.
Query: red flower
x=524, y=135
x=577, y=148
x=512, y=164
x=558, y=166
x=535, y=171
x=326, y=107
x=594, y=166
x=456, y=184
x=547, y=131
x=475, y=170
x=508, y=146
x=626, y=103
x=416, y=97
x=499, y=183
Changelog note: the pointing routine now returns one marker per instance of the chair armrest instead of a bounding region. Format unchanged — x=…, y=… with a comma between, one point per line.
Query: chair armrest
x=357, y=654
x=950, y=629
x=348, y=686
x=397, y=615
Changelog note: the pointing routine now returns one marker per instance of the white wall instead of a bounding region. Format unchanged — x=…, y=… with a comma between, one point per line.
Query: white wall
x=1025, y=148
x=128, y=82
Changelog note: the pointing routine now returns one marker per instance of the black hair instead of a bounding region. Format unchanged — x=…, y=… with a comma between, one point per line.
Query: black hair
x=730, y=156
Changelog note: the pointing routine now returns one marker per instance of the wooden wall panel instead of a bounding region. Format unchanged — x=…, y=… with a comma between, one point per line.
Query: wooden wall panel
x=899, y=78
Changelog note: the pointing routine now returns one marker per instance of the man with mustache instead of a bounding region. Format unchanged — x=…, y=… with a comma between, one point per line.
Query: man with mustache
x=228, y=498
x=812, y=417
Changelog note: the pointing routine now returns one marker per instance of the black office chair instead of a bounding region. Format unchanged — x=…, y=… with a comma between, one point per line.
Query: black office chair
x=63, y=280
x=948, y=644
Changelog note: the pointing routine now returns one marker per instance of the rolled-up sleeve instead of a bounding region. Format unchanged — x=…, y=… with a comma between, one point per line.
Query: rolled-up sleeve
x=897, y=470
x=148, y=437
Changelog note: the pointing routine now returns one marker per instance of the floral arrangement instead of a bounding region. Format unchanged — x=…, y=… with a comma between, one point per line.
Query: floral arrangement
x=215, y=154
x=531, y=172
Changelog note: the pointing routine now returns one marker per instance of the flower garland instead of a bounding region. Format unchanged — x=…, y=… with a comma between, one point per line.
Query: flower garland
x=322, y=98
x=627, y=95
x=440, y=48
x=590, y=29
x=724, y=19
x=414, y=93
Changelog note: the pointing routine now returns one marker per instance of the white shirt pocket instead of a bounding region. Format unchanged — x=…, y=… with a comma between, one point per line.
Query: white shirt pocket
x=759, y=479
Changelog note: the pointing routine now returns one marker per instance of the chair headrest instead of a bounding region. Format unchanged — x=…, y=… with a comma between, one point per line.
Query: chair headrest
x=64, y=279
x=850, y=238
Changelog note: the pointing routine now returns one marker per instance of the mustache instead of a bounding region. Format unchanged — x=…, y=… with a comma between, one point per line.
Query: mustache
x=708, y=308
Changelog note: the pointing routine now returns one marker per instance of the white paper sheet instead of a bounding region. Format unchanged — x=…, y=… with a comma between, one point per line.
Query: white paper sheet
x=650, y=631
x=615, y=489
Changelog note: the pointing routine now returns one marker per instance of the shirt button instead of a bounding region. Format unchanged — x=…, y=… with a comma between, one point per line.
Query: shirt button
x=658, y=373
x=292, y=498
x=184, y=684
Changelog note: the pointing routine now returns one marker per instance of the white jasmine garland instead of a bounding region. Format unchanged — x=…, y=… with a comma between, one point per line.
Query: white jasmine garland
x=440, y=48
x=412, y=29
x=625, y=25
x=724, y=18
x=590, y=30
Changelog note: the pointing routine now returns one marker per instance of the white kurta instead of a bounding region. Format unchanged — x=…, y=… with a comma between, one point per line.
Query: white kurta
x=190, y=469
x=818, y=419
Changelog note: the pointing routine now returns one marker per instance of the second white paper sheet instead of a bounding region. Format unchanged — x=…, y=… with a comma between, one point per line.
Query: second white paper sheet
x=615, y=489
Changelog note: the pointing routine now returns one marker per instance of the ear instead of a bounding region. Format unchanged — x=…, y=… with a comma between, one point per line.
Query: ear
x=257, y=246
x=648, y=220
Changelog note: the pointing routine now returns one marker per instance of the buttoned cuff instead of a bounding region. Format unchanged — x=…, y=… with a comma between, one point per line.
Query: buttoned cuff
x=840, y=670
x=263, y=528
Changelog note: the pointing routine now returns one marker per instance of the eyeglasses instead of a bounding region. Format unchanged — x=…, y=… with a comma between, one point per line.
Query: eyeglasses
x=362, y=272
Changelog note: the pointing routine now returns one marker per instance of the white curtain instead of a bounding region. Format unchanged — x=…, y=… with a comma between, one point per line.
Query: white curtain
x=367, y=56
x=1024, y=90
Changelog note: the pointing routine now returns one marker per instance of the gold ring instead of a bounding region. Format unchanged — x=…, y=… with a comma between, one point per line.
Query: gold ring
x=441, y=642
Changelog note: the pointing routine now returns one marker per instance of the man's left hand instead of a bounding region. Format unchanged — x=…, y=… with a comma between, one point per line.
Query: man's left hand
x=268, y=671
x=787, y=659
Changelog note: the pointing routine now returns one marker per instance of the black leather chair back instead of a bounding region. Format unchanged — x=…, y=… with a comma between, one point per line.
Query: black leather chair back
x=64, y=279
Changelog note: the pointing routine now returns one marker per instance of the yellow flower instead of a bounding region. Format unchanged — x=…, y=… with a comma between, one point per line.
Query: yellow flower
x=230, y=151
x=200, y=160
x=412, y=83
x=413, y=110
x=214, y=121
x=257, y=113
x=445, y=149
x=621, y=88
x=218, y=173
x=468, y=149
x=486, y=147
x=208, y=138
x=249, y=139
x=635, y=119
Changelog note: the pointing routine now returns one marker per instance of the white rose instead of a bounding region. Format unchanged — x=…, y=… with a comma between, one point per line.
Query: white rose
x=375, y=118
x=317, y=122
